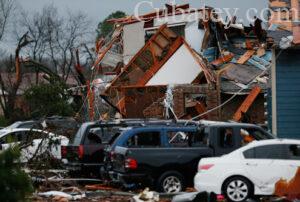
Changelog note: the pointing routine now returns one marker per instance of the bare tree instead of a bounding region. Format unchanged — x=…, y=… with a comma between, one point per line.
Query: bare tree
x=10, y=81
x=6, y=9
x=55, y=37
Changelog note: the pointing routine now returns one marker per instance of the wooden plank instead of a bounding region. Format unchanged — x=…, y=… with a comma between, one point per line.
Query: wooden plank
x=246, y=57
x=247, y=103
x=278, y=4
x=222, y=60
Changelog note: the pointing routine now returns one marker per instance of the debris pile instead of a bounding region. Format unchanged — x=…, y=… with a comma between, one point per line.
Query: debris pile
x=219, y=59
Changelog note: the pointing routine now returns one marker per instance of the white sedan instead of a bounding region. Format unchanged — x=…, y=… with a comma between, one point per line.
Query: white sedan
x=36, y=141
x=251, y=170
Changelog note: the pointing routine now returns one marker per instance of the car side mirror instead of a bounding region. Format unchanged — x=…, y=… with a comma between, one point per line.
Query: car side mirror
x=95, y=137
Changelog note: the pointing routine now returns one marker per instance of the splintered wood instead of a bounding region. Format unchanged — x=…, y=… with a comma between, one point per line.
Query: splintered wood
x=247, y=103
x=291, y=189
x=246, y=57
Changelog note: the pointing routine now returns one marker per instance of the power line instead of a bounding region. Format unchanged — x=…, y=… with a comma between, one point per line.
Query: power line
x=234, y=95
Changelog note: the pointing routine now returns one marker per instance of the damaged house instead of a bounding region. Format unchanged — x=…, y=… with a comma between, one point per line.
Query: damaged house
x=204, y=63
x=284, y=94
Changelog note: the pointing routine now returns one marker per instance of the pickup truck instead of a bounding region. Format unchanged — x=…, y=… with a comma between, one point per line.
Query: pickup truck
x=166, y=157
x=85, y=152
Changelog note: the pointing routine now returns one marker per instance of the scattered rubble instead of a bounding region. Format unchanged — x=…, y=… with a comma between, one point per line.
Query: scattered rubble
x=146, y=196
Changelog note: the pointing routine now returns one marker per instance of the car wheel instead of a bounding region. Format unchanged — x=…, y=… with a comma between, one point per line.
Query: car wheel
x=237, y=189
x=171, y=182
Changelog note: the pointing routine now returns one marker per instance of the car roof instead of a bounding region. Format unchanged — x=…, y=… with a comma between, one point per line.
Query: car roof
x=220, y=123
x=161, y=126
x=266, y=142
x=6, y=131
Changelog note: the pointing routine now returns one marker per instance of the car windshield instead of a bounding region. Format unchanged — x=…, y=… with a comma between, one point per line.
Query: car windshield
x=12, y=126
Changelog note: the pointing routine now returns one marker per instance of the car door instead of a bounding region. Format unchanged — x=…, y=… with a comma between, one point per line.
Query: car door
x=227, y=140
x=265, y=165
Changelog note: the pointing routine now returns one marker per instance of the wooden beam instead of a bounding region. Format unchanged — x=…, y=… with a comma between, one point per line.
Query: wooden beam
x=222, y=60
x=246, y=57
x=247, y=103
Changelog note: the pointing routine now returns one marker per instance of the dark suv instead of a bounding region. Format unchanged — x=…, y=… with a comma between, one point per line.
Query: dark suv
x=166, y=157
x=85, y=151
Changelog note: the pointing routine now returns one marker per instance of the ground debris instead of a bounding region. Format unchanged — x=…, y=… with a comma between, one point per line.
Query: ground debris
x=146, y=196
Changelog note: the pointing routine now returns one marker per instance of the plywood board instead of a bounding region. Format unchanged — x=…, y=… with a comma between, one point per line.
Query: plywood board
x=181, y=68
x=133, y=39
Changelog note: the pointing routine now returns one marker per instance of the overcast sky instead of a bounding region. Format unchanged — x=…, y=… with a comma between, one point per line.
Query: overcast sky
x=97, y=10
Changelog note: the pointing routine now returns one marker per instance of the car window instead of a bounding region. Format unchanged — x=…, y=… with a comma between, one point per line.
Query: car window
x=103, y=133
x=145, y=139
x=226, y=137
x=266, y=152
x=187, y=139
x=93, y=137
x=294, y=152
x=13, y=137
x=178, y=138
x=251, y=134
x=27, y=125
x=76, y=139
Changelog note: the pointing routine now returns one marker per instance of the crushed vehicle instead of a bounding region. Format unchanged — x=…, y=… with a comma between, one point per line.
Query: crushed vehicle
x=86, y=151
x=166, y=157
x=32, y=142
x=256, y=169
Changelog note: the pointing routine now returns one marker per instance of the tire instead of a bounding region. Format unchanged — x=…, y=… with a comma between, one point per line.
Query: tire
x=237, y=189
x=171, y=182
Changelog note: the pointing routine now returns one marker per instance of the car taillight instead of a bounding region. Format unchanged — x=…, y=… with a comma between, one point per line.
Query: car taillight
x=205, y=167
x=80, y=151
x=111, y=155
x=63, y=151
x=131, y=163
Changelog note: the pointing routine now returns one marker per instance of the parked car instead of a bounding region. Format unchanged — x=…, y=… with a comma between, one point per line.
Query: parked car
x=23, y=124
x=37, y=141
x=166, y=157
x=85, y=152
x=59, y=125
x=250, y=170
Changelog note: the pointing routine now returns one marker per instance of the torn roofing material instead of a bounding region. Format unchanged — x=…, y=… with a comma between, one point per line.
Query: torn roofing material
x=156, y=18
x=241, y=73
x=230, y=87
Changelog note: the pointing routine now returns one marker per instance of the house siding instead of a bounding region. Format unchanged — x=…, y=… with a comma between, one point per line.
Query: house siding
x=288, y=93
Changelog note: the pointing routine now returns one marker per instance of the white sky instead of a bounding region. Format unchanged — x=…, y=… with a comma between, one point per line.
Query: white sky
x=97, y=10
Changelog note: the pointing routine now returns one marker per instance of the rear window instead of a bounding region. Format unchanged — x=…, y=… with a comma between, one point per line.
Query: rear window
x=76, y=139
x=104, y=133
